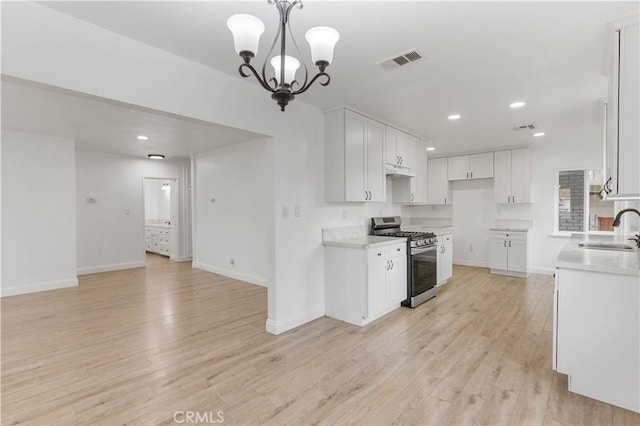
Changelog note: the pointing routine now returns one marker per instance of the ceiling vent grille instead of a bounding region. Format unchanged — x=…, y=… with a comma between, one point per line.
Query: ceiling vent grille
x=525, y=127
x=400, y=60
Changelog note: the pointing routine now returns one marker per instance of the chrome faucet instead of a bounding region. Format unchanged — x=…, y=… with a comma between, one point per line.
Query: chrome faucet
x=616, y=222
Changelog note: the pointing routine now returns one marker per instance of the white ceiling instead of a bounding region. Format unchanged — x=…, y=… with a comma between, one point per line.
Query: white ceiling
x=101, y=125
x=479, y=57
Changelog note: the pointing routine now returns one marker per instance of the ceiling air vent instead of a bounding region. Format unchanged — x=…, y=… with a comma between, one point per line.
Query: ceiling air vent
x=525, y=127
x=400, y=60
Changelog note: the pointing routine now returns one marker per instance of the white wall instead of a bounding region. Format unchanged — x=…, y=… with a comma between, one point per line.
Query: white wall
x=157, y=202
x=151, y=193
x=235, y=225
x=109, y=238
x=38, y=213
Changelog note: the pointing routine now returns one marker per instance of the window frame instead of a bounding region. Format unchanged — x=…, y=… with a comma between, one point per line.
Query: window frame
x=556, y=207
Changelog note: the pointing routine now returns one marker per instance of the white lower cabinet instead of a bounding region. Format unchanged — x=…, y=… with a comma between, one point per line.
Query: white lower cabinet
x=445, y=258
x=363, y=284
x=509, y=253
x=157, y=239
x=596, y=335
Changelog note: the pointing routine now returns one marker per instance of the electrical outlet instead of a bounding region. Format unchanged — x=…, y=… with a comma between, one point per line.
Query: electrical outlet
x=285, y=212
x=127, y=212
x=232, y=262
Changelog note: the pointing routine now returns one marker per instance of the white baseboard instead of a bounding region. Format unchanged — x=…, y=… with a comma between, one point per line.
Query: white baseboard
x=252, y=279
x=474, y=263
x=36, y=287
x=286, y=324
x=107, y=268
x=181, y=259
x=542, y=270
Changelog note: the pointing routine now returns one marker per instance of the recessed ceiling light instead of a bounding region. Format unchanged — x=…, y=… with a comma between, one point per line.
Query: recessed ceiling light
x=454, y=117
x=156, y=156
x=431, y=148
x=517, y=105
x=536, y=135
x=143, y=137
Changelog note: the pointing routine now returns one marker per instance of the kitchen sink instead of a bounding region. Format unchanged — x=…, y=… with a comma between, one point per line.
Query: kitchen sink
x=607, y=246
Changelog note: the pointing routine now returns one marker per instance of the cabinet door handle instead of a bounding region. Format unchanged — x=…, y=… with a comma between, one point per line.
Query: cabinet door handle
x=505, y=243
x=397, y=159
x=398, y=249
x=388, y=266
x=467, y=175
x=370, y=195
x=445, y=200
x=508, y=198
x=509, y=243
x=412, y=198
x=391, y=263
x=513, y=198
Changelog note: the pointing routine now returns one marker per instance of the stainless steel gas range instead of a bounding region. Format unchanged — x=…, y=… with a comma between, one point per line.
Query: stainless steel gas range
x=422, y=259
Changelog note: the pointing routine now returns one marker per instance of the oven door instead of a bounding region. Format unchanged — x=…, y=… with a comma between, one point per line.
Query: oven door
x=424, y=272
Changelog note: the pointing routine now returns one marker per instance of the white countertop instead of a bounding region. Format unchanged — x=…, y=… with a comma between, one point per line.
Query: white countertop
x=425, y=224
x=158, y=225
x=363, y=241
x=607, y=261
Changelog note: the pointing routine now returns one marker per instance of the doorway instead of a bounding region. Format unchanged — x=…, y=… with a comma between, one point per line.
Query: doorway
x=161, y=217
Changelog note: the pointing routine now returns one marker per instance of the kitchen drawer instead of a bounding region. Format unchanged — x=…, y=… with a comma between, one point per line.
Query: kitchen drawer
x=398, y=250
x=509, y=235
x=445, y=239
x=378, y=254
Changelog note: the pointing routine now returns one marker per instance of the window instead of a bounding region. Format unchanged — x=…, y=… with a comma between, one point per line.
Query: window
x=579, y=207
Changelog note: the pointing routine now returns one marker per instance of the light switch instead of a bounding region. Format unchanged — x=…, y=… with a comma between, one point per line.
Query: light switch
x=127, y=212
x=297, y=210
x=285, y=212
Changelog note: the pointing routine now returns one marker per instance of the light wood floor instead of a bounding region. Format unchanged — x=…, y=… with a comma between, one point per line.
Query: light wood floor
x=136, y=346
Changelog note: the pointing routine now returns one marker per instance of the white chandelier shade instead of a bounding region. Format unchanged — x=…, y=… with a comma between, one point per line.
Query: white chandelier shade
x=322, y=41
x=291, y=65
x=246, y=30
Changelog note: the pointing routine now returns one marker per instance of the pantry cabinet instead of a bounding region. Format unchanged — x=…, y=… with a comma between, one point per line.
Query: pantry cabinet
x=354, y=157
x=438, y=185
x=400, y=150
x=363, y=284
x=445, y=258
x=473, y=166
x=622, y=150
x=512, y=176
x=414, y=190
x=509, y=253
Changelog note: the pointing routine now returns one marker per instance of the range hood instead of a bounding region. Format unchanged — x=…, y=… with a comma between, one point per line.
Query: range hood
x=397, y=172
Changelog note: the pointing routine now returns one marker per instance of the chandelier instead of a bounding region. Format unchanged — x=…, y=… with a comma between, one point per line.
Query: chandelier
x=247, y=29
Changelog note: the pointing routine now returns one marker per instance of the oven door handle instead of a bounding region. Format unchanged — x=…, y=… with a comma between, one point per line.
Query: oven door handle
x=422, y=250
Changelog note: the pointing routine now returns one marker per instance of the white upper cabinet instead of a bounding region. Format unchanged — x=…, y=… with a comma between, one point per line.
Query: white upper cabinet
x=622, y=151
x=354, y=157
x=474, y=166
x=400, y=149
x=512, y=176
x=438, y=186
x=414, y=190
